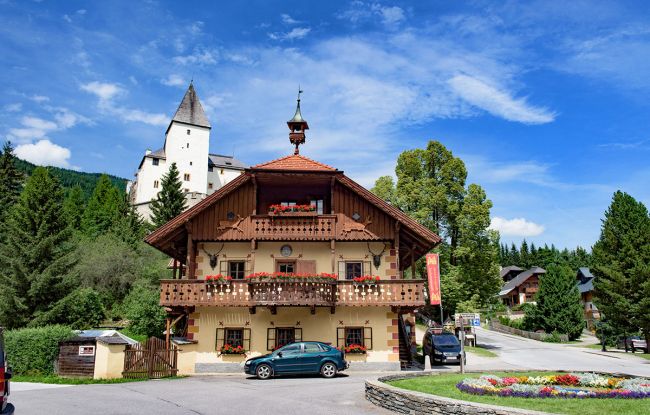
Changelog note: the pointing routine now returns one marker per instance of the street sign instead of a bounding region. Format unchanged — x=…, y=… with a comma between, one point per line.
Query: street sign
x=476, y=322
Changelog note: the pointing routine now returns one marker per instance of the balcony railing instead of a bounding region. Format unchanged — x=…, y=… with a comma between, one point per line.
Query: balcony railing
x=320, y=227
x=406, y=293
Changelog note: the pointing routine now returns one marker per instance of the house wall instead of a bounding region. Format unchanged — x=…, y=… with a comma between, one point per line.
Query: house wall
x=109, y=361
x=321, y=326
x=267, y=253
x=219, y=176
x=193, y=159
x=69, y=363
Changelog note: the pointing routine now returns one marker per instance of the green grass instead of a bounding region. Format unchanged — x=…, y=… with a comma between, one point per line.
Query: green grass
x=137, y=337
x=644, y=355
x=71, y=381
x=480, y=351
x=445, y=385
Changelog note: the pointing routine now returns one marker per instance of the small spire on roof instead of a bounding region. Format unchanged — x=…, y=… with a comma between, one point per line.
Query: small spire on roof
x=297, y=126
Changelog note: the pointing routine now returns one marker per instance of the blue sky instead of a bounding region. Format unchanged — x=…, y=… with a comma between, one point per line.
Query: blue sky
x=545, y=101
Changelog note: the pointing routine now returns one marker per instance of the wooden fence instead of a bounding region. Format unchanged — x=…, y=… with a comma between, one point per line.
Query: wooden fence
x=151, y=359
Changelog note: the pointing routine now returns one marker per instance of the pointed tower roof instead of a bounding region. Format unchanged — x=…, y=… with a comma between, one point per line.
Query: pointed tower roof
x=191, y=111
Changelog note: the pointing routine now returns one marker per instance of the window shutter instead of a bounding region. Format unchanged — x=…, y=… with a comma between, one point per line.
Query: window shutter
x=340, y=337
x=366, y=268
x=270, y=338
x=247, y=340
x=221, y=334
x=297, y=334
x=304, y=266
x=342, y=275
x=223, y=268
x=367, y=337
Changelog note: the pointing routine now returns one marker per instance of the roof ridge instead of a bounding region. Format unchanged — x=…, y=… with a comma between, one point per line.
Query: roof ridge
x=271, y=163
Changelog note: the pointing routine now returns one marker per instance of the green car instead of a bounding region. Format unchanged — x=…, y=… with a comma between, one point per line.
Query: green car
x=298, y=358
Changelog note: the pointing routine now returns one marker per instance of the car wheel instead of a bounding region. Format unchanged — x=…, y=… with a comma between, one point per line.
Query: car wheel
x=328, y=370
x=263, y=372
x=434, y=362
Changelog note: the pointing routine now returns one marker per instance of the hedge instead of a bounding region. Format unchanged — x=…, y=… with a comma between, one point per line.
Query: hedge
x=33, y=351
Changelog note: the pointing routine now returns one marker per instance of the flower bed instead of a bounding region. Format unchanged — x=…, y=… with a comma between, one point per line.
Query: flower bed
x=578, y=385
x=291, y=277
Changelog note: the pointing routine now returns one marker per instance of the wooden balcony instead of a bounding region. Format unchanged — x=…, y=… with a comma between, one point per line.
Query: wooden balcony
x=294, y=227
x=404, y=293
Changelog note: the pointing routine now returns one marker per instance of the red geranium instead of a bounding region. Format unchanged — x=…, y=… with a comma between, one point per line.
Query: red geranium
x=355, y=348
x=366, y=278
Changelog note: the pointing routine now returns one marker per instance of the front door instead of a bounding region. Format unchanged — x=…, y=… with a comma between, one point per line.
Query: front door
x=290, y=359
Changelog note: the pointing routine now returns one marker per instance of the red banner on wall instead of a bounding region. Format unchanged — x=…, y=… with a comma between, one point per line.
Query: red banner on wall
x=433, y=272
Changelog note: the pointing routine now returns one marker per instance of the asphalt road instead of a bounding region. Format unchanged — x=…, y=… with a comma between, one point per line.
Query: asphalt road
x=237, y=394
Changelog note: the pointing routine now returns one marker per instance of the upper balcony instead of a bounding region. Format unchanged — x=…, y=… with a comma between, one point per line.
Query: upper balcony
x=404, y=293
x=294, y=227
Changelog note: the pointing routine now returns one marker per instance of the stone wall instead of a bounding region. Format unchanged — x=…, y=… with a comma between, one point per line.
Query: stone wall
x=416, y=403
x=522, y=333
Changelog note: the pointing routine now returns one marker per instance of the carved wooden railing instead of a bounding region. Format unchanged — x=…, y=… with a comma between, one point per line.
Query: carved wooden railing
x=288, y=293
x=321, y=227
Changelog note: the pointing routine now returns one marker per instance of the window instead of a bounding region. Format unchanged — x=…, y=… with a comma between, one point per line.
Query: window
x=288, y=204
x=236, y=269
x=347, y=336
x=313, y=348
x=188, y=145
x=188, y=132
x=191, y=163
x=285, y=266
x=221, y=172
x=277, y=337
x=353, y=270
x=210, y=168
x=86, y=350
x=209, y=185
x=234, y=336
x=155, y=161
x=186, y=177
x=155, y=184
x=292, y=350
x=318, y=203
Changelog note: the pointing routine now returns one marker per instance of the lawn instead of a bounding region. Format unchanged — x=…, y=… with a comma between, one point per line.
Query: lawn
x=445, y=385
x=480, y=351
x=70, y=381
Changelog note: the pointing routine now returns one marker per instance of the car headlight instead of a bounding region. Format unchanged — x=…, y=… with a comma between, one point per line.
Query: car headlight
x=248, y=363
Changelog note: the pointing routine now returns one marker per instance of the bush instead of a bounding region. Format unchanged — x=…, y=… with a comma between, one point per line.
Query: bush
x=515, y=324
x=81, y=309
x=141, y=308
x=554, y=337
x=33, y=351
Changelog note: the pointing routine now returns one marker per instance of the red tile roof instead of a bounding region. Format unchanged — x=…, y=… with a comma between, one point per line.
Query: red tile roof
x=294, y=162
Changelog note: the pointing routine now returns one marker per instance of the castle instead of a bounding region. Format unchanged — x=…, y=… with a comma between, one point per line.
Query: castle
x=187, y=143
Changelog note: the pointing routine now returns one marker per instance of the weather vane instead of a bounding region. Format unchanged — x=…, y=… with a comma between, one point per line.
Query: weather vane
x=300, y=91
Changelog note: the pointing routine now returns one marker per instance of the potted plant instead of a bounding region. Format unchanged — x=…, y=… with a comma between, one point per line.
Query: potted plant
x=366, y=280
x=229, y=349
x=294, y=210
x=355, y=349
x=218, y=279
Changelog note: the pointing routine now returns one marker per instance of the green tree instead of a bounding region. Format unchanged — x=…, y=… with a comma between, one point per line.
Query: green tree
x=558, y=302
x=141, y=308
x=10, y=182
x=170, y=201
x=385, y=188
x=35, y=256
x=621, y=259
x=73, y=207
x=103, y=209
x=81, y=309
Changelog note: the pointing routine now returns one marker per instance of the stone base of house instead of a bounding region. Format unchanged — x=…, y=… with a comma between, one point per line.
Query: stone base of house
x=218, y=368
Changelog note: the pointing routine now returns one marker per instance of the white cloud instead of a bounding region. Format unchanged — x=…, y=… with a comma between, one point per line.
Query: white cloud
x=44, y=153
x=15, y=107
x=174, y=80
x=198, y=57
x=390, y=15
x=142, y=116
x=103, y=90
x=358, y=11
x=498, y=102
x=39, y=98
x=38, y=123
x=293, y=34
x=288, y=19
x=516, y=227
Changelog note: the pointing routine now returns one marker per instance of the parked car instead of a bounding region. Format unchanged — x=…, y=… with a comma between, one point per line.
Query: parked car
x=442, y=348
x=5, y=375
x=634, y=343
x=299, y=357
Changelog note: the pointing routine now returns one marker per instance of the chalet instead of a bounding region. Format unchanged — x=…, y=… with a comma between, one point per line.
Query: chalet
x=522, y=288
x=292, y=250
x=510, y=272
x=585, y=280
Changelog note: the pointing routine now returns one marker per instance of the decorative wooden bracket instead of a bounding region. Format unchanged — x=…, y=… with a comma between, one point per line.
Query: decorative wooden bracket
x=234, y=224
x=313, y=309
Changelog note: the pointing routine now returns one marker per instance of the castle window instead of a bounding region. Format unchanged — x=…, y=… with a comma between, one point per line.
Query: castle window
x=221, y=171
x=155, y=184
x=210, y=168
x=209, y=185
x=188, y=145
x=190, y=163
x=186, y=177
x=155, y=161
x=188, y=132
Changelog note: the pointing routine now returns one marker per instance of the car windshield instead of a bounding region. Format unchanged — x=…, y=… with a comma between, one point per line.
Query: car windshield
x=445, y=340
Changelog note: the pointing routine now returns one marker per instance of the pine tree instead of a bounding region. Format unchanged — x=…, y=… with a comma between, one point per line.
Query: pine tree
x=621, y=259
x=170, y=201
x=73, y=207
x=524, y=255
x=514, y=256
x=558, y=302
x=103, y=209
x=10, y=182
x=35, y=256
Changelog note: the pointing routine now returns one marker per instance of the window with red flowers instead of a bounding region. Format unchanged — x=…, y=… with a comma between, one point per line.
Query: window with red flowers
x=233, y=336
x=347, y=336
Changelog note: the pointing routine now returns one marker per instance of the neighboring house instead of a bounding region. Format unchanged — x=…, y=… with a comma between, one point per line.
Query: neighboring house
x=187, y=143
x=522, y=288
x=248, y=230
x=510, y=272
x=586, y=286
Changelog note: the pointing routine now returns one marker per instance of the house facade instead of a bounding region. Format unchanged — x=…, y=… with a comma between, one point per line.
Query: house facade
x=187, y=143
x=585, y=280
x=292, y=250
x=521, y=288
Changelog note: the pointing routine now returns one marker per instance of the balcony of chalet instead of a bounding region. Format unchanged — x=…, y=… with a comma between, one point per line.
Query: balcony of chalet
x=310, y=293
